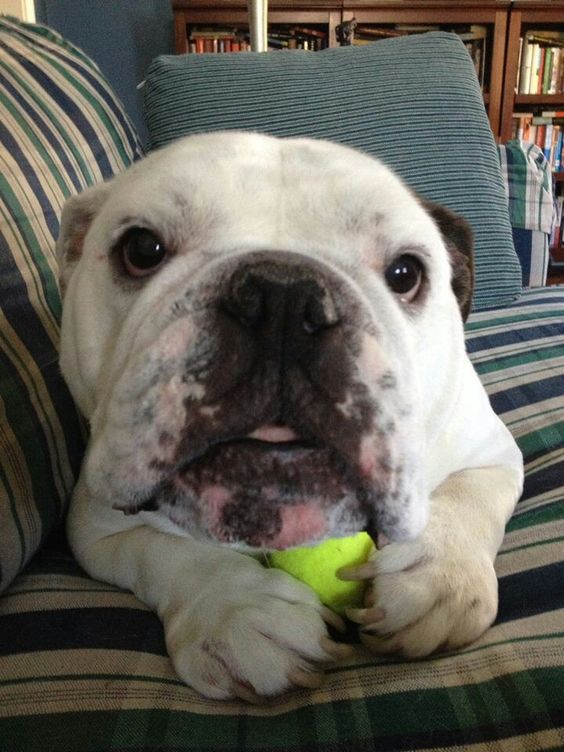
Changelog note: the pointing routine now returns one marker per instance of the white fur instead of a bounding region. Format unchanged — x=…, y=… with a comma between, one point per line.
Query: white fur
x=229, y=622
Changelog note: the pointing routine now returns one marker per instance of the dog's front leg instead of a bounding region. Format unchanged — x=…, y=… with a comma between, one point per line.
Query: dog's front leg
x=232, y=627
x=439, y=592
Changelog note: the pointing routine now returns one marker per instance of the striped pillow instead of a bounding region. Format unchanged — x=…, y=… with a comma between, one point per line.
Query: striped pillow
x=414, y=102
x=61, y=130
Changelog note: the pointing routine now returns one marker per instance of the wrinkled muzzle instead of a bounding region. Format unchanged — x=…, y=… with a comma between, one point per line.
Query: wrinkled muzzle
x=267, y=412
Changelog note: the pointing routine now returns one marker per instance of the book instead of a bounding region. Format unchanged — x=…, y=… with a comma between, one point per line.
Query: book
x=556, y=65
x=526, y=64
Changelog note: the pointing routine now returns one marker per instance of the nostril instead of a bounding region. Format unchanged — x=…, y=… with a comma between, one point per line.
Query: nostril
x=245, y=301
x=319, y=312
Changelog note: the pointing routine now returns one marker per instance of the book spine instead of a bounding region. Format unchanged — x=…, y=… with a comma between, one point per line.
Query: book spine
x=526, y=65
x=555, y=72
x=547, y=71
x=535, y=69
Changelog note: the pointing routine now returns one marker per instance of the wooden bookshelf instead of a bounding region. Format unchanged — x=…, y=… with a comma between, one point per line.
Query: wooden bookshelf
x=527, y=15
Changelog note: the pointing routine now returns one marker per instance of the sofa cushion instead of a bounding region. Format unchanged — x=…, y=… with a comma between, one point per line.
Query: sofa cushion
x=61, y=130
x=414, y=102
x=83, y=664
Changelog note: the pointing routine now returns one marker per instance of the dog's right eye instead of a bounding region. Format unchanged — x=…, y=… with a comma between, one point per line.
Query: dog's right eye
x=404, y=277
x=142, y=252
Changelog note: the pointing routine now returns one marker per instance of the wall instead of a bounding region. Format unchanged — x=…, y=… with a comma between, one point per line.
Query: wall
x=122, y=36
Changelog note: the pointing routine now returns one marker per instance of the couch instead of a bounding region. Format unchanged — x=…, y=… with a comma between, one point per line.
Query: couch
x=83, y=665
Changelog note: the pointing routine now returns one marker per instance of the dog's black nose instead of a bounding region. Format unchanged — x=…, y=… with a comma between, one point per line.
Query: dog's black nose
x=280, y=299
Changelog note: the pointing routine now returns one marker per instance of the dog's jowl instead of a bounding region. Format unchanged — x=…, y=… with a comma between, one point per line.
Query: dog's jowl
x=266, y=338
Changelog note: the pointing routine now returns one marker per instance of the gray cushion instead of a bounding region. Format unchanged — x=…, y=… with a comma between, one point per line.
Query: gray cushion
x=413, y=101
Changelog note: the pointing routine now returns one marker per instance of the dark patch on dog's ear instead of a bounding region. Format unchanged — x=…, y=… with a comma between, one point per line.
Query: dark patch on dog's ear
x=459, y=241
x=78, y=214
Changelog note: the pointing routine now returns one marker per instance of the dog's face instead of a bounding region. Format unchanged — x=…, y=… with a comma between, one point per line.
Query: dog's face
x=252, y=326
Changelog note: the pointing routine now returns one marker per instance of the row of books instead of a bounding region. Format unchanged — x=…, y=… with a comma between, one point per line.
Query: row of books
x=221, y=41
x=546, y=131
x=218, y=40
x=541, y=63
x=474, y=37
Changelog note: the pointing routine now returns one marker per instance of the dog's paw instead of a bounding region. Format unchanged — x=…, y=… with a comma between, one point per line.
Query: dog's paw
x=256, y=633
x=424, y=598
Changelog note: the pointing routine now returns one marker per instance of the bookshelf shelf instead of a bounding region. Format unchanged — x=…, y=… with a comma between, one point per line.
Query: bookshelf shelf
x=539, y=99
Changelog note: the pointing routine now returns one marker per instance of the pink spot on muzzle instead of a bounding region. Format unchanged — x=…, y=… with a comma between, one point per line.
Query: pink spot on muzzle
x=300, y=523
x=214, y=499
x=304, y=523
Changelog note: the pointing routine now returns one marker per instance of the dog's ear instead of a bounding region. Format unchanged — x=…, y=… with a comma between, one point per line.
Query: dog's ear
x=459, y=240
x=78, y=213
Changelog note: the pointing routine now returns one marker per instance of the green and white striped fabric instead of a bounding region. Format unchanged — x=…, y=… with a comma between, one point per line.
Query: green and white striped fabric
x=61, y=129
x=83, y=665
x=528, y=180
x=414, y=102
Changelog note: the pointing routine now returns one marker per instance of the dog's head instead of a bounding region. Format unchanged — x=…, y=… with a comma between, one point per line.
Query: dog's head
x=260, y=332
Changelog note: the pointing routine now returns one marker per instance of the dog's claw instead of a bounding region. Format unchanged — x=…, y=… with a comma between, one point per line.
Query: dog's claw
x=366, y=571
x=369, y=596
x=333, y=619
x=246, y=693
x=307, y=679
x=368, y=617
x=381, y=541
x=336, y=650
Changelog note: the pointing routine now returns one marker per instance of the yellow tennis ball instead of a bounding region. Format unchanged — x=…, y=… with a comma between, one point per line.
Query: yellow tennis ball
x=317, y=566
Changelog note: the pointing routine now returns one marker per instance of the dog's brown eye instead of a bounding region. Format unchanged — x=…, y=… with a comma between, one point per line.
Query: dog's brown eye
x=404, y=276
x=142, y=252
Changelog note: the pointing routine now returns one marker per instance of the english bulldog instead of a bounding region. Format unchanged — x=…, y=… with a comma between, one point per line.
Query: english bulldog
x=266, y=337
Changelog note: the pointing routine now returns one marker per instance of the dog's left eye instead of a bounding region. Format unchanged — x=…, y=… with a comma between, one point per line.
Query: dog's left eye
x=404, y=276
x=142, y=252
